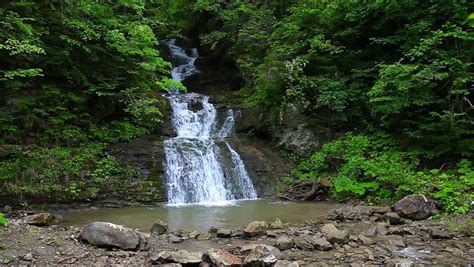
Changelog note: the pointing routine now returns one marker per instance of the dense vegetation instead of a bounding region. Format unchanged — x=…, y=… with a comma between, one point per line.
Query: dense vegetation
x=397, y=74
x=75, y=76
x=393, y=79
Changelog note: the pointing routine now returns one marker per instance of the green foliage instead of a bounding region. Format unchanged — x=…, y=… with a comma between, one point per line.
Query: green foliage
x=367, y=168
x=3, y=219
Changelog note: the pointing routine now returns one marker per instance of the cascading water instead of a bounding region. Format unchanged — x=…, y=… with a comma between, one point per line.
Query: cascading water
x=195, y=171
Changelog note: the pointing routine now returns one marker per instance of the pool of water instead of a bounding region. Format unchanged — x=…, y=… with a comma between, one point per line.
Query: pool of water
x=202, y=217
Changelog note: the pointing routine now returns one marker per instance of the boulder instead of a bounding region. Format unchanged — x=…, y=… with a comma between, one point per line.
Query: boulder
x=179, y=256
x=42, y=219
x=225, y=233
x=334, y=235
x=255, y=228
x=246, y=249
x=284, y=242
x=260, y=255
x=159, y=228
x=277, y=224
x=366, y=240
x=380, y=210
x=219, y=257
x=204, y=236
x=415, y=207
x=320, y=243
x=302, y=243
x=105, y=234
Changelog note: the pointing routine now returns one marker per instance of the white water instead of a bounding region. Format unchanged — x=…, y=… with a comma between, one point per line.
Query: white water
x=194, y=163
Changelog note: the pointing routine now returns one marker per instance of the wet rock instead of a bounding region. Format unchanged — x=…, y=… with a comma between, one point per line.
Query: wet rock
x=225, y=233
x=204, y=236
x=159, y=228
x=237, y=233
x=393, y=218
x=260, y=256
x=255, y=228
x=42, y=219
x=284, y=242
x=439, y=234
x=105, y=234
x=273, y=233
x=179, y=256
x=366, y=240
x=335, y=235
x=302, y=243
x=415, y=207
x=220, y=257
x=379, y=229
x=175, y=239
x=194, y=234
x=277, y=224
x=320, y=243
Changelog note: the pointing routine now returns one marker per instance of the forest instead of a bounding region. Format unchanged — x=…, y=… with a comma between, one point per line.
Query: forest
x=391, y=81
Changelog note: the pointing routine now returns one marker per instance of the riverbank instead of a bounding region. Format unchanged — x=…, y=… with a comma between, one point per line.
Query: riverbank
x=347, y=235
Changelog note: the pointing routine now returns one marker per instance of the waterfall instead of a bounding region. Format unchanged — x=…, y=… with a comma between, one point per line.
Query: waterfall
x=194, y=159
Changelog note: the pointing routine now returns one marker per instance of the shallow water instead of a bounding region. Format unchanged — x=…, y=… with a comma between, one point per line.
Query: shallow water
x=232, y=215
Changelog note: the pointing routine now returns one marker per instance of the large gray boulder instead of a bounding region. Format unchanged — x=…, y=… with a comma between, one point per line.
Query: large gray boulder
x=284, y=242
x=105, y=234
x=415, y=207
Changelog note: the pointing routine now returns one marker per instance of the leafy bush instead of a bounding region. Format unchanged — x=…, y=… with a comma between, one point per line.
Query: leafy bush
x=3, y=219
x=361, y=167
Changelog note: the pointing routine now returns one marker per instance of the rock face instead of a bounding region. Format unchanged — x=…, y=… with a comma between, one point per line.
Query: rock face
x=220, y=257
x=105, y=234
x=415, y=207
x=159, y=228
x=335, y=235
x=255, y=228
x=180, y=256
x=42, y=219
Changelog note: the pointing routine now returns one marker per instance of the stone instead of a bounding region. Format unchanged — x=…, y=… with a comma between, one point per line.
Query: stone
x=105, y=234
x=394, y=240
x=255, y=228
x=381, y=210
x=175, y=239
x=28, y=257
x=42, y=219
x=159, y=228
x=277, y=224
x=393, y=218
x=366, y=240
x=284, y=242
x=204, y=236
x=260, y=256
x=283, y=263
x=439, y=234
x=194, y=234
x=302, y=243
x=225, y=233
x=219, y=257
x=320, y=243
x=246, y=249
x=273, y=233
x=415, y=207
x=179, y=256
x=7, y=210
x=335, y=235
